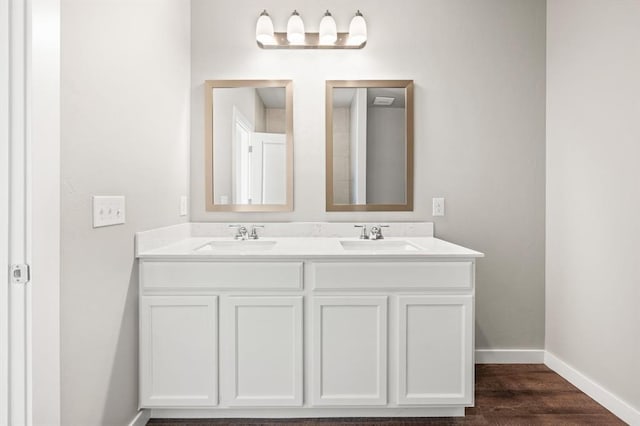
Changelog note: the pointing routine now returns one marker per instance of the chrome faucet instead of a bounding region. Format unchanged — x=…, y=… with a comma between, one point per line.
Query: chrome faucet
x=254, y=232
x=363, y=234
x=241, y=232
x=376, y=232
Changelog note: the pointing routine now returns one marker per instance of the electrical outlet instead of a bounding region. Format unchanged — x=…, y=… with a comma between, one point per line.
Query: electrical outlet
x=438, y=207
x=108, y=210
x=183, y=205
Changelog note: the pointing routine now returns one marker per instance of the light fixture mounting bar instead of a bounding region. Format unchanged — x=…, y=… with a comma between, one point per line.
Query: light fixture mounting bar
x=311, y=41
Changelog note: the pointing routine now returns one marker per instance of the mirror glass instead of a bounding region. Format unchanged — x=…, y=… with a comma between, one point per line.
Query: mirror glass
x=249, y=145
x=369, y=145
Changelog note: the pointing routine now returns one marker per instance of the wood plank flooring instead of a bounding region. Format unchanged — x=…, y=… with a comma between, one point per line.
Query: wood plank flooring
x=506, y=394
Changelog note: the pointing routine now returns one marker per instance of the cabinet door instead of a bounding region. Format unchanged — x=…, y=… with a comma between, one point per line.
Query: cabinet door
x=178, y=351
x=265, y=351
x=435, y=354
x=350, y=351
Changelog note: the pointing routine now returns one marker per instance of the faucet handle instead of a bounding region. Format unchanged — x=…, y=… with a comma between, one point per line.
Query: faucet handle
x=363, y=234
x=241, y=231
x=376, y=232
x=254, y=232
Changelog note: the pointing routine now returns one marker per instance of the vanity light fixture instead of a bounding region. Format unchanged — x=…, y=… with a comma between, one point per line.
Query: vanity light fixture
x=328, y=31
x=264, y=29
x=295, y=29
x=357, y=29
x=295, y=37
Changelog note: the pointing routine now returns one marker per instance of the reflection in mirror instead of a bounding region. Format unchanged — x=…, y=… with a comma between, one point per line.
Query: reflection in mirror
x=369, y=145
x=249, y=146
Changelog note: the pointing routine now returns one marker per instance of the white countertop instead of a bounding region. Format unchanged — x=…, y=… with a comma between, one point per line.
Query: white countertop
x=306, y=247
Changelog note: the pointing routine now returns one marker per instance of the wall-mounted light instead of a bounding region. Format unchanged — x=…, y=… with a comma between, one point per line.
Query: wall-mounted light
x=296, y=38
x=264, y=29
x=358, y=29
x=328, y=31
x=295, y=29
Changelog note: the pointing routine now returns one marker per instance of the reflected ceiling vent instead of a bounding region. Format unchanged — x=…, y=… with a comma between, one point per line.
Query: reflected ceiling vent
x=383, y=101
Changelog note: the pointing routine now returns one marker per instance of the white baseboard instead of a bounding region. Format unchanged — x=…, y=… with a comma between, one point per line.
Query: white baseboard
x=607, y=399
x=141, y=418
x=509, y=356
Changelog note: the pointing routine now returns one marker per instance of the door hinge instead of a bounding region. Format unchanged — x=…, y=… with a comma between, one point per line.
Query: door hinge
x=20, y=274
x=250, y=149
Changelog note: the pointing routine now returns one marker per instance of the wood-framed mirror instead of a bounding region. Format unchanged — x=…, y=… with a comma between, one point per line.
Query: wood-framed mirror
x=369, y=145
x=249, y=145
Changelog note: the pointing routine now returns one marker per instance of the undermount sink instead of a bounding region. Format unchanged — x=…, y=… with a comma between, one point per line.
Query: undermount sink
x=379, y=245
x=237, y=245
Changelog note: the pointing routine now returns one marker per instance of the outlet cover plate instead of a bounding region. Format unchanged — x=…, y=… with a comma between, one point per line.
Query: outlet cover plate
x=438, y=206
x=183, y=205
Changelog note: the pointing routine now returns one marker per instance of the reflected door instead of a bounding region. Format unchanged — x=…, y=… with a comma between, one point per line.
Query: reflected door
x=269, y=168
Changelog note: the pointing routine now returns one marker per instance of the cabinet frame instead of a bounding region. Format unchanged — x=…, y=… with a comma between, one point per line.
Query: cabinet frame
x=231, y=395
x=147, y=396
x=318, y=283
x=466, y=395
x=317, y=397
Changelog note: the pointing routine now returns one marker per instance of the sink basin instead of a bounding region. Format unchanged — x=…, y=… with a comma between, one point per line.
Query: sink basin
x=238, y=245
x=379, y=245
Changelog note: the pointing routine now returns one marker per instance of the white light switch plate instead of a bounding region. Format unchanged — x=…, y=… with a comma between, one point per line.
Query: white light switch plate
x=438, y=207
x=108, y=210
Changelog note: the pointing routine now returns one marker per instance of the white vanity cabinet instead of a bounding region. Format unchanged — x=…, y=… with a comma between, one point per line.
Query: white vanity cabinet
x=435, y=350
x=430, y=325
x=262, y=351
x=307, y=335
x=178, y=351
x=220, y=334
x=349, y=350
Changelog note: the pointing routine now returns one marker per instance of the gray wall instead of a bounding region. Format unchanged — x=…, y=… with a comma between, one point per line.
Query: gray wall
x=341, y=155
x=479, y=73
x=593, y=191
x=124, y=124
x=386, y=155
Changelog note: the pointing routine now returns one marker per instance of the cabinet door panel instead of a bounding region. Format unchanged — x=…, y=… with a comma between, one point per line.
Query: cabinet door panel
x=265, y=352
x=435, y=357
x=178, y=351
x=350, y=350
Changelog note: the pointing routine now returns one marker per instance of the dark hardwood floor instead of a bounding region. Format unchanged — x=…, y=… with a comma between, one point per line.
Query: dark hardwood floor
x=506, y=394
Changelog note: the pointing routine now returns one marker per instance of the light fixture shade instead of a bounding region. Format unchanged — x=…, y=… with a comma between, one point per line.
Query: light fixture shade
x=328, y=31
x=295, y=29
x=264, y=29
x=358, y=30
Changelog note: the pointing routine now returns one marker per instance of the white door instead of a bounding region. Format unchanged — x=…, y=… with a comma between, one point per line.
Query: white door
x=179, y=351
x=263, y=353
x=349, y=350
x=436, y=350
x=269, y=168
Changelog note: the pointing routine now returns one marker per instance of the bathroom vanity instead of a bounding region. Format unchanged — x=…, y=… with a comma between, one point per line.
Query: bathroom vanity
x=306, y=321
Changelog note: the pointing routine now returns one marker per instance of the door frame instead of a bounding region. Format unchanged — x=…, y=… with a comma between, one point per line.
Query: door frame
x=4, y=212
x=30, y=211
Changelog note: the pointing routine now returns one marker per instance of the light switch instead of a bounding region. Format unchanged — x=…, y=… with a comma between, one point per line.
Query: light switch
x=438, y=207
x=183, y=205
x=108, y=210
